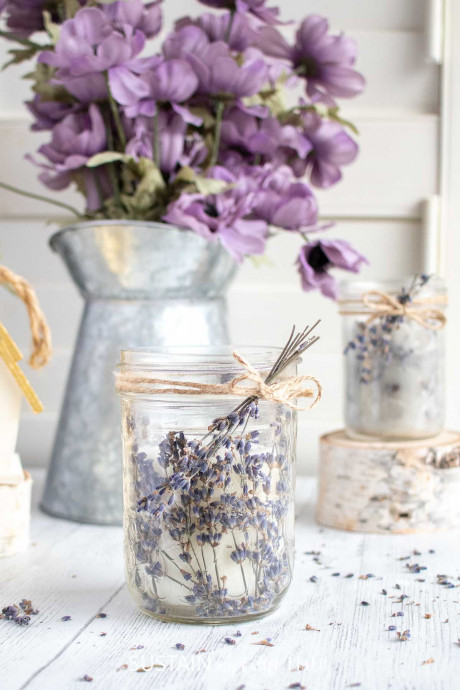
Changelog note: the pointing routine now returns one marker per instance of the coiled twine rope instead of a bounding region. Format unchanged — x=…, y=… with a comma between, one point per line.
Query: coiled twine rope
x=41, y=335
x=284, y=392
x=380, y=304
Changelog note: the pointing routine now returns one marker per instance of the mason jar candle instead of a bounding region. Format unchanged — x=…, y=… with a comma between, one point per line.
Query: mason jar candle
x=209, y=525
x=394, y=358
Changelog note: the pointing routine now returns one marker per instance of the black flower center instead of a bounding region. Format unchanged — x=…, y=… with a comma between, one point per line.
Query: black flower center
x=211, y=210
x=309, y=67
x=317, y=259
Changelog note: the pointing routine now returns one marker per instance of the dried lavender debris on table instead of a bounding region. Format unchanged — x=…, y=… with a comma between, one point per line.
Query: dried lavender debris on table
x=19, y=614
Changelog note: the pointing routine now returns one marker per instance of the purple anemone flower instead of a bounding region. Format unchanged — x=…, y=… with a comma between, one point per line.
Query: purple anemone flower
x=257, y=8
x=286, y=204
x=135, y=15
x=222, y=217
x=87, y=49
x=220, y=75
x=48, y=113
x=267, y=138
x=325, y=61
x=25, y=17
x=188, y=40
x=215, y=26
x=331, y=148
x=316, y=259
x=74, y=141
x=172, y=81
x=172, y=129
x=218, y=72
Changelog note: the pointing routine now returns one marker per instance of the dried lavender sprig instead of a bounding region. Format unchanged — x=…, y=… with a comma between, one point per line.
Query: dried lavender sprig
x=221, y=429
x=374, y=339
x=296, y=345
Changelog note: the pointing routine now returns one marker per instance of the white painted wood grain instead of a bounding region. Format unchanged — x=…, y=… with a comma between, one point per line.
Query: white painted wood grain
x=351, y=646
x=396, y=170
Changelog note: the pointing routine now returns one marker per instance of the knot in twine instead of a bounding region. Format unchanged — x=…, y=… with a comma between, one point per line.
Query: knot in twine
x=283, y=392
x=41, y=335
x=424, y=312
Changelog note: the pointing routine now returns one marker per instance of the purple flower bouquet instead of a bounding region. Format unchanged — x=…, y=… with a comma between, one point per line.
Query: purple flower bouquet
x=198, y=134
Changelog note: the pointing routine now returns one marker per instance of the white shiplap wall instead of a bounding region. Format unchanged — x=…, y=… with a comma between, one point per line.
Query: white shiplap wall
x=378, y=208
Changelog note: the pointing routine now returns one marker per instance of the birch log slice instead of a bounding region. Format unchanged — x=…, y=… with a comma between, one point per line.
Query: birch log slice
x=411, y=486
x=15, y=502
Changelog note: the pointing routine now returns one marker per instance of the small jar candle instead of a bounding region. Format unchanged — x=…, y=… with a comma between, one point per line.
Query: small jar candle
x=209, y=529
x=394, y=358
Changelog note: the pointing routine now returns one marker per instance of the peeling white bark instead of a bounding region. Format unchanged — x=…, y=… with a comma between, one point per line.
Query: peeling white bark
x=389, y=487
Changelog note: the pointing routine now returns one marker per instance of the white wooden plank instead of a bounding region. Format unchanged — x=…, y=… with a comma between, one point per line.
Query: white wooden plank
x=351, y=645
x=397, y=168
x=398, y=74
x=376, y=240
x=62, y=306
x=77, y=590
x=362, y=14
x=383, y=54
x=24, y=248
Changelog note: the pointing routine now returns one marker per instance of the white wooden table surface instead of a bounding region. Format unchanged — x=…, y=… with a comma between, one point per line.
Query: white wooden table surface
x=77, y=570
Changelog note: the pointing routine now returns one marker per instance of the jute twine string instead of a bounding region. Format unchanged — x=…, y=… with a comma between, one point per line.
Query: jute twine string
x=283, y=392
x=380, y=304
x=41, y=335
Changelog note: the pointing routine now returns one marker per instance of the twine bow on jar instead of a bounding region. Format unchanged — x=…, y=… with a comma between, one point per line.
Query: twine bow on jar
x=284, y=392
x=421, y=311
x=377, y=304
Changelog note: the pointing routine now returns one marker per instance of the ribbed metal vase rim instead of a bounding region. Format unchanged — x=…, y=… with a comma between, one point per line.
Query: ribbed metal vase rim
x=112, y=223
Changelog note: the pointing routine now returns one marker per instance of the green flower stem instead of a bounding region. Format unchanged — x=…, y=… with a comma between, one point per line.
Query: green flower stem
x=156, y=138
x=98, y=188
x=111, y=168
x=38, y=197
x=22, y=41
x=116, y=115
x=228, y=33
x=215, y=149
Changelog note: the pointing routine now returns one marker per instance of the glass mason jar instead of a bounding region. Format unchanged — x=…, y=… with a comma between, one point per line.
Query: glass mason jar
x=209, y=536
x=394, y=364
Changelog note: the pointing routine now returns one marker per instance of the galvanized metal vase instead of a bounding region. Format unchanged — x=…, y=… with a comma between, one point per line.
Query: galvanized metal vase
x=143, y=284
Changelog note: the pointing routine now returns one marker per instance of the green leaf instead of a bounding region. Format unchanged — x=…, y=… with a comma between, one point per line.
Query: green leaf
x=19, y=55
x=186, y=174
x=207, y=185
x=333, y=114
x=71, y=8
x=52, y=29
x=259, y=261
x=150, y=187
x=107, y=157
